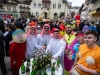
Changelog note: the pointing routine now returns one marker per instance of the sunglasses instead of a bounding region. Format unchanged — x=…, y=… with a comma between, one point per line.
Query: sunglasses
x=46, y=28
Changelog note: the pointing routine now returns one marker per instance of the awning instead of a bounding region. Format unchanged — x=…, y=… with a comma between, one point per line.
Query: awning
x=93, y=12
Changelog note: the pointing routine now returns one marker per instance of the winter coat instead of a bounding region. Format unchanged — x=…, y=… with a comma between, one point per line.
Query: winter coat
x=2, y=54
x=8, y=39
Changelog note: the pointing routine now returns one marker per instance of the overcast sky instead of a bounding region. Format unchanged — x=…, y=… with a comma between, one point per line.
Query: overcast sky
x=76, y=2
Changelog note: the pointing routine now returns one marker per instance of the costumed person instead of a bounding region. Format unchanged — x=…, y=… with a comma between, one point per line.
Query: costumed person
x=44, y=37
x=77, y=17
x=56, y=44
x=31, y=41
x=33, y=23
x=17, y=50
x=62, y=29
x=70, y=42
x=89, y=56
x=80, y=40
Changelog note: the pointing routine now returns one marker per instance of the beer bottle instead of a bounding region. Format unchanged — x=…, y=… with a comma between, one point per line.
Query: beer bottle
x=28, y=60
x=49, y=62
x=33, y=71
x=27, y=70
x=53, y=69
x=45, y=44
x=45, y=73
x=43, y=62
x=22, y=67
x=40, y=63
x=33, y=53
x=58, y=61
x=34, y=61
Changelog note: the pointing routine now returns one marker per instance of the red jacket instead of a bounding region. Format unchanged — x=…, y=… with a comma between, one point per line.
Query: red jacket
x=17, y=53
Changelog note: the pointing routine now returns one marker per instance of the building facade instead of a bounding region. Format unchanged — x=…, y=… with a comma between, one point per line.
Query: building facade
x=8, y=7
x=95, y=11
x=23, y=10
x=47, y=8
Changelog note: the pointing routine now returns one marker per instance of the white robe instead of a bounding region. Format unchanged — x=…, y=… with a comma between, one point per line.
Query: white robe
x=56, y=46
x=30, y=45
x=42, y=39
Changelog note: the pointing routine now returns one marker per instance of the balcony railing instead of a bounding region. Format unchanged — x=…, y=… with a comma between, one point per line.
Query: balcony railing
x=2, y=9
x=14, y=10
x=23, y=11
x=26, y=7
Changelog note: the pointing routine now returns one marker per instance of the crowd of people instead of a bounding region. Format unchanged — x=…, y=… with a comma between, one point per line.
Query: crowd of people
x=77, y=47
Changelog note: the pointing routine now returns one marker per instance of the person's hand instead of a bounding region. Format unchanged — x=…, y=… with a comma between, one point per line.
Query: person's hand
x=64, y=39
x=11, y=42
x=70, y=57
x=14, y=63
x=81, y=67
x=44, y=47
x=66, y=52
x=70, y=52
x=53, y=58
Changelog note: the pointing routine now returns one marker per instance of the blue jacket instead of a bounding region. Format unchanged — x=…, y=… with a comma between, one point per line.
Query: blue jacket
x=92, y=28
x=75, y=48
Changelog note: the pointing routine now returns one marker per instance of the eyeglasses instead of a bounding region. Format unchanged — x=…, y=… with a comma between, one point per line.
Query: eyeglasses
x=46, y=28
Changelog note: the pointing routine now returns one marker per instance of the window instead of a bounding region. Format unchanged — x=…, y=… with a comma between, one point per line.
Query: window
x=34, y=5
x=39, y=5
x=59, y=6
x=45, y=6
x=9, y=8
x=54, y=5
x=14, y=8
x=48, y=6
x=2, y=7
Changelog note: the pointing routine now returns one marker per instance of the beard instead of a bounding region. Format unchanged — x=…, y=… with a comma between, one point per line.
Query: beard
x=68, y=32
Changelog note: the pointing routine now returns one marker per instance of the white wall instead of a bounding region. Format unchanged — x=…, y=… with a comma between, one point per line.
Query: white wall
x=83, y=15
x=52, y=10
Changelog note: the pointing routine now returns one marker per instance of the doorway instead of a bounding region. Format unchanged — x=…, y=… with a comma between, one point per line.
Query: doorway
x=45, y=15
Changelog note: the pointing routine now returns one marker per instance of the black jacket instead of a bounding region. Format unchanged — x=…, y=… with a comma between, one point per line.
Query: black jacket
x=2, y=54
x=98, y=29
x=8, y=38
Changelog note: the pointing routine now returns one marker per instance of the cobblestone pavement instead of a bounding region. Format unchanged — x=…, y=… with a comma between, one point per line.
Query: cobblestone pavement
x=7, y=62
